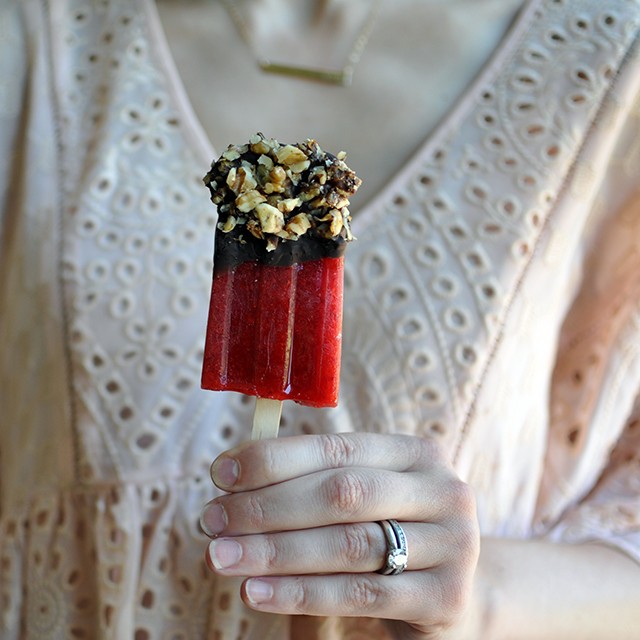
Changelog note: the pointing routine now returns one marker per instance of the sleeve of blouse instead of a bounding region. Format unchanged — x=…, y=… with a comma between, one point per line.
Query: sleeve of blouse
x=13, y=72
x=610, y=514
x=595, y=445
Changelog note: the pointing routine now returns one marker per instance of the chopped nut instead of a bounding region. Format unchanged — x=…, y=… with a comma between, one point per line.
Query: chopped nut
x=290, y=155
x=270, y=187
x=277, y=175
x=336, y=223
x=295, y=179
x=231, y=178
x=272, y=244
x=281, y=192
x=319, y=174
x=334, y=217
x=271, y=219
x=249, y=200
x=265, y=161
x=311, y=193
x=299, y=167
x=346, y=223
x=289, y=204
x=286, y=235
x=228, y=225
x=259, y=144
x=342, y=155
x=298, y=224
x=253, y=226
x=335, y=200
x=249, y=182
x=241, y=179
x=231, y=154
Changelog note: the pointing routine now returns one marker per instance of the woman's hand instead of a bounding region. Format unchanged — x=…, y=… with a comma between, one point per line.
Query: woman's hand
x=301, y=519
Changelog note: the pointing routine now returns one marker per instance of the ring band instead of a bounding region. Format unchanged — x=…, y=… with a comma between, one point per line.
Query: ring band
x=397, y=554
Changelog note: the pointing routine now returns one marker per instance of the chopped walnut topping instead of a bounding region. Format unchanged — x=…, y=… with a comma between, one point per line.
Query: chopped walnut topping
x=289, y=204
x=241, y=179
x=298, y=225
x=271, y=219
x=229, y=224
x=265, y=161
x=281, y=192
x=249, y=200
x=291, y=155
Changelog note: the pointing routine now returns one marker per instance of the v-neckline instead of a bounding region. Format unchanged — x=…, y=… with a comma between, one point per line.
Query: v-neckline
x=462, y=106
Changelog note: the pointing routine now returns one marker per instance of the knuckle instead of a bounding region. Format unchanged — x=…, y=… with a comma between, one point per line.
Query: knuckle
x=429, y=448
x=429, y=451
x=363, y=594
x=461, y=542
x=347, y=493
x=355, y=544
x=272, y=553
x=337, y=450
x=461, y=498
x=302, y=596
x=269, y=463
x=255, y=512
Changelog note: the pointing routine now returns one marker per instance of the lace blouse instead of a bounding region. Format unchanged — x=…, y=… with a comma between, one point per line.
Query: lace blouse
x=492, y=302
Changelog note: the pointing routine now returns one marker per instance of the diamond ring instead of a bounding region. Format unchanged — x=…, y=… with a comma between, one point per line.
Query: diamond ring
x=397, y=555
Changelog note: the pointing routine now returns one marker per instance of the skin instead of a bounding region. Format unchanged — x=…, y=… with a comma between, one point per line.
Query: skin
x=326, y=550
x=319, y=555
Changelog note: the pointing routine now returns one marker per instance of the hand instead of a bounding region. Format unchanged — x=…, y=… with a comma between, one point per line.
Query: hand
x=301, y=521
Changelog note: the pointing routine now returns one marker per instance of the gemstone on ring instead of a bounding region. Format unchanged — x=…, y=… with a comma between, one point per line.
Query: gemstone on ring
x=397, y=555
x=397, y=559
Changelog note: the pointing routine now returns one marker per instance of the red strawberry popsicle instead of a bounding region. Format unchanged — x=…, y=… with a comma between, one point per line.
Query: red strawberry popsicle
x=275, y=316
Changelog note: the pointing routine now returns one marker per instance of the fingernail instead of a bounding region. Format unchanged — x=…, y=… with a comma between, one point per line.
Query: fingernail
x=224, y=472
x=213, y=519
x=258, y=591
x=224, y=553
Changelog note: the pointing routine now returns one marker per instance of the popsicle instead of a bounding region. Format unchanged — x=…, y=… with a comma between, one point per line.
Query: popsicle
x=275, y=317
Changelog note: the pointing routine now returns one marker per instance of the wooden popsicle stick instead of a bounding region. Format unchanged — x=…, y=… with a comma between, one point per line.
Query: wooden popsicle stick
x=266, y=419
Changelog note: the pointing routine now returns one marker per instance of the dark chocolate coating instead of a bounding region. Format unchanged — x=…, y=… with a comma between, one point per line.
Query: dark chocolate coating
x=231, y=251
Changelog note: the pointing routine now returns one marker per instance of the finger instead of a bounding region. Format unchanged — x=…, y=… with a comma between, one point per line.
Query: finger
x=261, y=463
x=353, y=548
x=332, y=497
x=422, y=598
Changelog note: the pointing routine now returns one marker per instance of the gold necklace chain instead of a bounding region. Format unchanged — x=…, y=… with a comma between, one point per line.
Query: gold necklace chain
x=343, y=76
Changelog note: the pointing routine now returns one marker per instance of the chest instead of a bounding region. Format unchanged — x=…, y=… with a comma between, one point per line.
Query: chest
x=419, y=58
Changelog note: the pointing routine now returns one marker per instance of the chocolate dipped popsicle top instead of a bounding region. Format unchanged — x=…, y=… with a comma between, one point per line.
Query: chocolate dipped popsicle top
x=280, y=203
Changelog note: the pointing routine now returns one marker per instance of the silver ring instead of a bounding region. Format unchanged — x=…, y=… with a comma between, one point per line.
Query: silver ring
x=397, y=554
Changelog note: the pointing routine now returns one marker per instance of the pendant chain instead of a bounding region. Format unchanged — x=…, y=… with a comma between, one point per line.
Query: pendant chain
x=343, y=76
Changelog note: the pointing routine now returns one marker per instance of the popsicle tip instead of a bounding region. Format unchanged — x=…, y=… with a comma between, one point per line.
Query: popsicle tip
x=281, y=192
